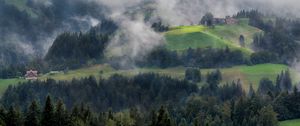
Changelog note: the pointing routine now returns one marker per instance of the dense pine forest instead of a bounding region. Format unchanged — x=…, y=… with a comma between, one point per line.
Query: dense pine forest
x=152, y=99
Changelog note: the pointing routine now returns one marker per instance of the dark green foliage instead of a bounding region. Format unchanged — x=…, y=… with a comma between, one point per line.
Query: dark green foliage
x=33, y=115
x=263, y=57
x=160, y=57
x=117, y=92
x=242, y=41
x=284, y=82
x=287, y=105
x=208, y=58
x=251, y=91
x=12, y=71
x=267, y=117
x=279, y=37
x=159, y=27
x=231, y=91
x=13, y=117
x=213, y=79
x=163, y=118
x=48, y=117
x=256, y=19
x=201, y=58
x=61, y=115
x=193, y=75
x=73, y=50
x=185, y=104
x=266, y=86
x=279, y=41
x=207, y=19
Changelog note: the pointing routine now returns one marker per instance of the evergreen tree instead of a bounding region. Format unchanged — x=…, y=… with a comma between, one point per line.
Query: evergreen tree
x=153, y=118
x=61, y=115
x=267, y=117
x=183, y=123
x=265, y=86
x=214, y=79
x=2, y=116
x=287, y=82
x=48, y=116
x=33, y=115
x=75, y=117
x=163, y=118
x=251, y=91
x=14, y=117
x=242, y=41
x=207, y=19
x=193, y=75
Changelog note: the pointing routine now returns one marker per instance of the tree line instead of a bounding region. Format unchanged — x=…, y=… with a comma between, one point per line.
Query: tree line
x=280, y=35
x=197, y=100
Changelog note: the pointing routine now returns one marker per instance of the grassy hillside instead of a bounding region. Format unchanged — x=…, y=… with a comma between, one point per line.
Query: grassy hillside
x=295, y=122
x=233, y=32
x=4, y=83
x=247, y=74
x=184, y=37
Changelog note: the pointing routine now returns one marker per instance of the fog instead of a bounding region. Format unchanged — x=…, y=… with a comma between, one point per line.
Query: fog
x=180, y=12
x=135, y=37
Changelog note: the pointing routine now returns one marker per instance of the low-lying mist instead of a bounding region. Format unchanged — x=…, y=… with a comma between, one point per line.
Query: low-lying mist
x=135, y=37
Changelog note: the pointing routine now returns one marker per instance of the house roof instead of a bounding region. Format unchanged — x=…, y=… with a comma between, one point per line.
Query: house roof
x=31, y=73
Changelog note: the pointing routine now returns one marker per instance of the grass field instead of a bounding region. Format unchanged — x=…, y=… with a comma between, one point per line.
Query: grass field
x=247, y=74
x=233, y=32
x=295, y=122
x=4, y=83
x=184, y=37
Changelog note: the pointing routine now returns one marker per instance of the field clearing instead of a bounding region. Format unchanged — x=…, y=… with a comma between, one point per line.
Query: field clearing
x=183, y=37
x=247, y=74
x=186, y=29
x=5, y=83
x=233, y=32
x=295, y=122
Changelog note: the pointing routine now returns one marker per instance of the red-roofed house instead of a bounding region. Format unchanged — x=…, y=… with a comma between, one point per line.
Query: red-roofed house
x=31, y=75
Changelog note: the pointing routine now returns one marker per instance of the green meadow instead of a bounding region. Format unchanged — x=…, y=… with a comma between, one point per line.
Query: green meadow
x=295, y=122
x=247, y=74
x=199, y=36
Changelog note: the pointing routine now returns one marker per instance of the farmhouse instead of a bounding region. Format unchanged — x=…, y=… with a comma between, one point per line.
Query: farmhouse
x=228, y=20
x=31, y=75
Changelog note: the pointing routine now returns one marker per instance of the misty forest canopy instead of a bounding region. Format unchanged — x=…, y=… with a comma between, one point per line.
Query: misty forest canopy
x=36, y=26
x=51, y=36
x=41, y=24
x=74, y=49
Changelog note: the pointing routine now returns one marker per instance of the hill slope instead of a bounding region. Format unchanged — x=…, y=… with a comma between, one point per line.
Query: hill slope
x=184, y=37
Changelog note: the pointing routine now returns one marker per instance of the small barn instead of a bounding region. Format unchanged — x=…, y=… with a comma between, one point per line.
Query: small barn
x=31, y=75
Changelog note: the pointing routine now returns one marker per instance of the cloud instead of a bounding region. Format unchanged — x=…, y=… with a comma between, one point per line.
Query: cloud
x=135, y=39
x=180, y=12
x=46, y=3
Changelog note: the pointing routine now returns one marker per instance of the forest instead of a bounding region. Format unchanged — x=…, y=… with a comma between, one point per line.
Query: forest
x=151, y=99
